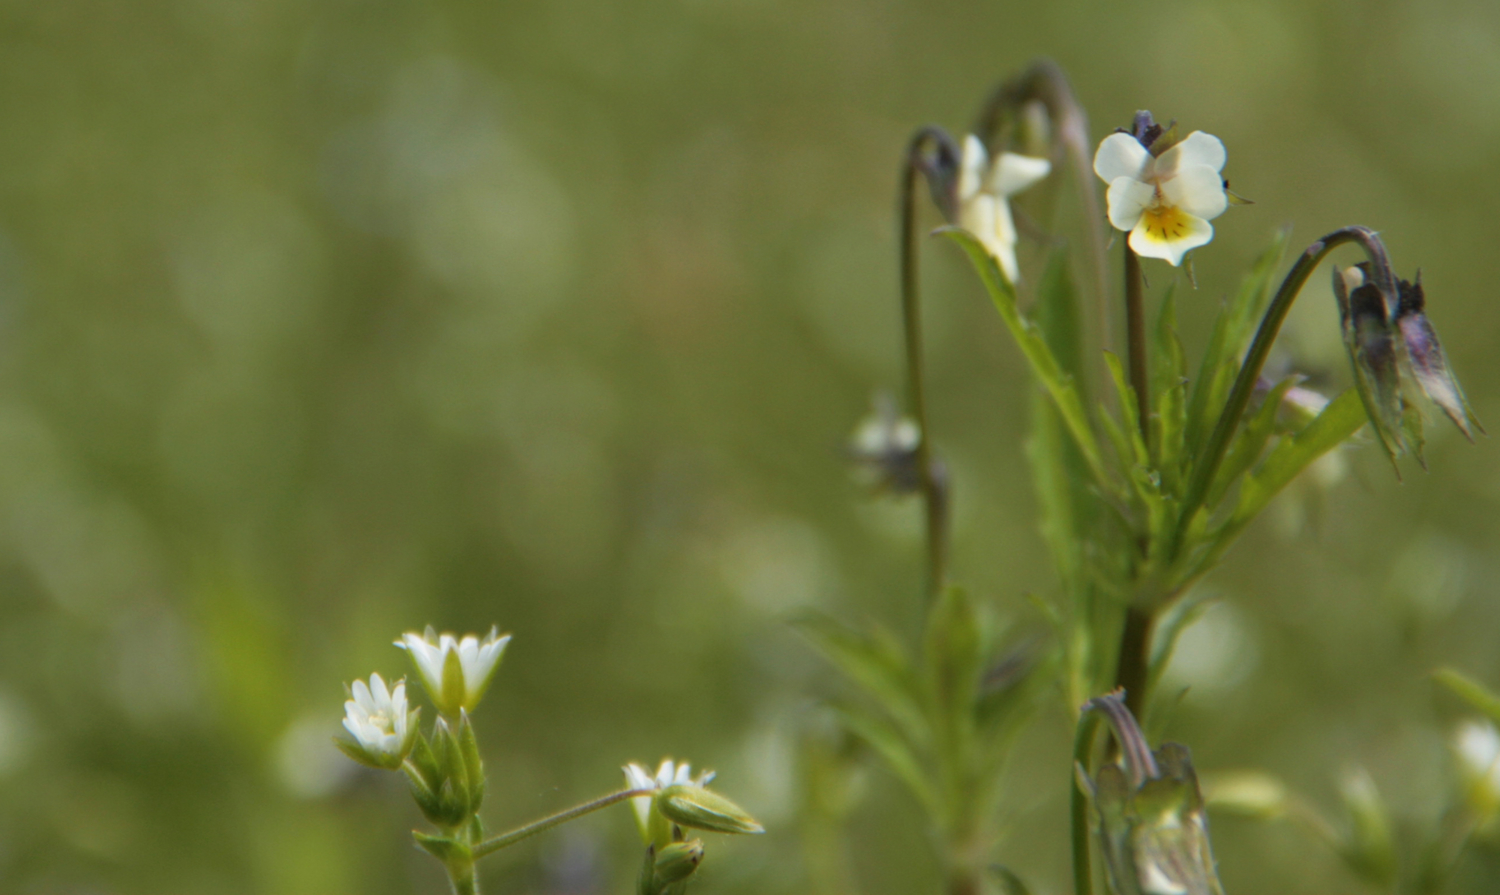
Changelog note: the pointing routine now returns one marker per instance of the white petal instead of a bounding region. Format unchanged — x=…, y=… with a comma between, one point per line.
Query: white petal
x=1198, y=149
x=980, y=216
x=1013, y=173
x=1197, y=190
x=1195, y=232
x=637, y=777
x=1120, y=155
x=362, y=698
x=971, y=167
x=354, y=729
x=1127, y=198
x=665, y=772
x=379, y=693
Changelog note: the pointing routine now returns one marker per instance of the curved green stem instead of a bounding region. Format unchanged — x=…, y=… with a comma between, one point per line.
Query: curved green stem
x=930, y=474
x=1270, y=325
x=489, y=846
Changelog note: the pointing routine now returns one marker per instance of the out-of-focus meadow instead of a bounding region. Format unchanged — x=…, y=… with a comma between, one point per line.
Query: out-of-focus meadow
x=324, y=321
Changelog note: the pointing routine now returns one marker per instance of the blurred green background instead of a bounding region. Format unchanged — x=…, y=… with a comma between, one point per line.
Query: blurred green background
x=322, y=321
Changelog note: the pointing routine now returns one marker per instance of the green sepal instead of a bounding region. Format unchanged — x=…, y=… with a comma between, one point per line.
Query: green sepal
x=645, y=879
x=468, y=747
x=703, y=809
x=451, y=700
x=444, y=848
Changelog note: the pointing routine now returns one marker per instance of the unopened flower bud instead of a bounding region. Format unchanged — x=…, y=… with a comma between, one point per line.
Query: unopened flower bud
x=704, y=809
x=677, y=862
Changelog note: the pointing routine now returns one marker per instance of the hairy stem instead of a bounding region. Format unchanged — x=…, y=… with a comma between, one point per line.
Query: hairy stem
x=930, y=475
x=1270, y=325
x=489, y=846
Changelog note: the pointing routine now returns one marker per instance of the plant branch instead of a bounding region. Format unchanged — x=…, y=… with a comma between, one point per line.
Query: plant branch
x=489, y=846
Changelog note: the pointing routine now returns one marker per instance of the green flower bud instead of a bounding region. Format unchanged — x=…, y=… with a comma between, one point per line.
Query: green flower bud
x=702, y=809
x=677, y=862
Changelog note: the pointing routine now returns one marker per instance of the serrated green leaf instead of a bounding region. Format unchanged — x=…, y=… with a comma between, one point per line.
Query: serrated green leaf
x=1034, y=347
x=875, y=663
x=1226, y=347
x=1471, y=691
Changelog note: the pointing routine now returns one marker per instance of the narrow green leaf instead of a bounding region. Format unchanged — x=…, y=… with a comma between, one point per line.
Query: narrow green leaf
x=1226, y=347
x=1055, y=480
x=1342, y=417
x=1037, y=352
x=1058, y=317
x=1168, y=396
x=953, y=650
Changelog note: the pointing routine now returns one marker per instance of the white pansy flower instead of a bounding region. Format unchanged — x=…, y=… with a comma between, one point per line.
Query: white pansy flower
x=455, y=671
x=984, y=191
x=668, y=773
x=378, y=719
x=1165, y=203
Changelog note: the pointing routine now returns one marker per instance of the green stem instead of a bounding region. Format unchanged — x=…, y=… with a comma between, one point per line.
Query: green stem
x=489, y=846
x=1131, y=670
x=1270, y=325
x=930, y=475
x=461, y=876
x=1083, y=747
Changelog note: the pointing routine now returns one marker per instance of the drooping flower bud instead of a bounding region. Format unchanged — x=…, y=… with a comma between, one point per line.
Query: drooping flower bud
x=1429, y=364
x=699, y=808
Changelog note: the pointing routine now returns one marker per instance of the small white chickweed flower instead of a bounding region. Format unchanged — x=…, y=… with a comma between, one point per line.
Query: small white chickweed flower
x=1164, y=202
x=382, y=726
x=984, y=191
x=668, y=773
x=454, y=671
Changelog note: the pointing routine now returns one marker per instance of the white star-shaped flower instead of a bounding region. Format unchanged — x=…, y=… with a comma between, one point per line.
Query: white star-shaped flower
x=455, y=671
x=1165, y=203
x=984, y=191
x=382, y=727
x=668, y=773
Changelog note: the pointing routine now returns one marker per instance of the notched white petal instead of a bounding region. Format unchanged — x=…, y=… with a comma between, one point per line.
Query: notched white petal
x=1120, y=155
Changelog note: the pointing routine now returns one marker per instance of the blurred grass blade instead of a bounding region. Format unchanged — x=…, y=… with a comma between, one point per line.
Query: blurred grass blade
x=1471, y=691
x=894, y=750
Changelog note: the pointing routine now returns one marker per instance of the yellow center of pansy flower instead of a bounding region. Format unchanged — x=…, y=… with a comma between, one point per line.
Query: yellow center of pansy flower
x=1165, y=223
